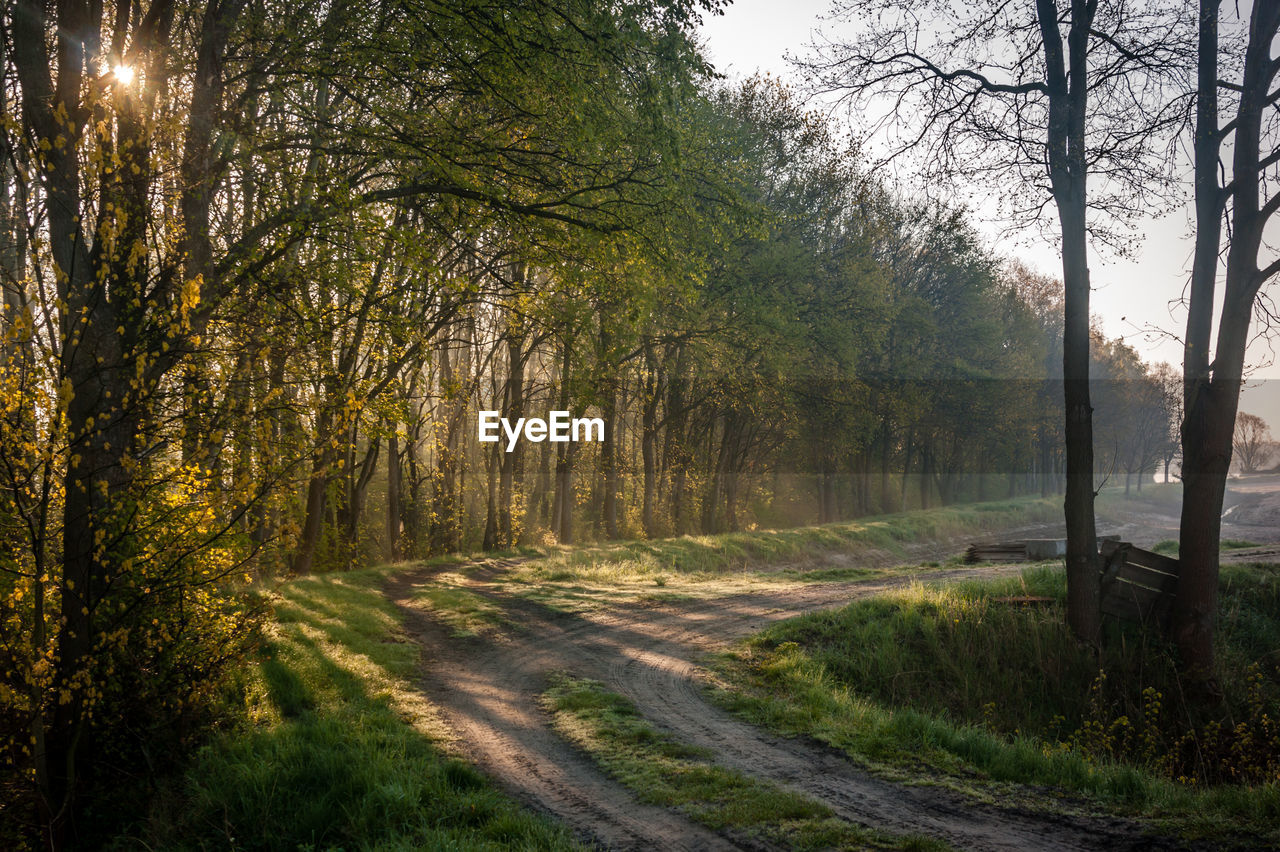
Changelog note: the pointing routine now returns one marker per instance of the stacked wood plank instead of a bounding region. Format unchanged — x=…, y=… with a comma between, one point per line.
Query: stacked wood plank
x=1000, y=551
x=1033, y=550
x=1137, y=585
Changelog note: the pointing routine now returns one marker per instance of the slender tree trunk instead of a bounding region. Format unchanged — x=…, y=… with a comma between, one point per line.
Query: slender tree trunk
x=649, y=459
x=1083, y=577
x=609, y=461
x=907, y=458
x=926, y=476
x=490, y=540
x=1067, y=84
x=886, y=448
x=395, y=488
x=562, y=508
x=544, y=488
x=446, y=522
x=675, y=453
x=512, y=462
x=1211, y=390
x=317, y=489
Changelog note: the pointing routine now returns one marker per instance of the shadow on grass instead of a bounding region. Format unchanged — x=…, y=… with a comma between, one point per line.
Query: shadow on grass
x=326, y=755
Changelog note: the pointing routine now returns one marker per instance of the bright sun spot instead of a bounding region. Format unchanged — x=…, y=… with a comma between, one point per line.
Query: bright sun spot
x=123, y=73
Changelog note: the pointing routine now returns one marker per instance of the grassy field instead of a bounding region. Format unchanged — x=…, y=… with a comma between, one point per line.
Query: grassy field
x=329, y=747
x=954, y=680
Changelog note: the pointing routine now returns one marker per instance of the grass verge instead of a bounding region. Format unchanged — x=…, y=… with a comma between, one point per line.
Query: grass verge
x=663, y=771
x=659, y=568
x=331, y=748
x=951, y=679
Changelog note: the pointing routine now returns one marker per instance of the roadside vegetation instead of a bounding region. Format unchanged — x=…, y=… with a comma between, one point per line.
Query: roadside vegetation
x=662, y=771
x=324, y=741
x=867, y=544
x=968, y=680
x=327, y=745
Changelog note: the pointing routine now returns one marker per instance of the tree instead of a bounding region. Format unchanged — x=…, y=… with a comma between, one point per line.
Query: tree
x=207, y=192
x=126, y=310
x=1133, y=417
x=1234, y=74
x=1047, y=94
x=1251, y=442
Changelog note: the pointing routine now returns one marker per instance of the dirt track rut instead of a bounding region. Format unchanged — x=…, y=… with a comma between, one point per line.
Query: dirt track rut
x=488, y=689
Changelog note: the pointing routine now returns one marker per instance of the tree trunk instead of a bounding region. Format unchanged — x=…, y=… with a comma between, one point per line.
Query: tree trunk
x=1083, y=576
x=926, y=476
x=490, y=540
x=906, y=470
x=446, y=520
x=886, y=447
x=543, y=503
x=1211, y=388
x=609, y=461
x=357, y=480
x=1067, y=84
x=649, y=458
x=512, y=462
x=395, y=487
x=317, y=488
x=562, y=507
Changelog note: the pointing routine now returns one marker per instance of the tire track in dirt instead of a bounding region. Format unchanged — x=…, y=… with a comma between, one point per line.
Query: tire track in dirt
x=488, y=689
x=488, y=692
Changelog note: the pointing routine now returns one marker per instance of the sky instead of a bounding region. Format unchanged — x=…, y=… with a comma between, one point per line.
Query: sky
x=1132, y=296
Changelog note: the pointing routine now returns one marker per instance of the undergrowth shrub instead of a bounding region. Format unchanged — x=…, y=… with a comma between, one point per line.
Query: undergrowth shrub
x=976, y=655
x=169, y=623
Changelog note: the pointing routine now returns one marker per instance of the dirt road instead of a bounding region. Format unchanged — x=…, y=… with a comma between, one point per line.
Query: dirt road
x=488, y=689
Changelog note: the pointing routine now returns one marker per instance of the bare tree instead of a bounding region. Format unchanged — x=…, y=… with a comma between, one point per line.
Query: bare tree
x=1036, y=98
x=1171, y=391
x=1251, y=442
x=1241, y=70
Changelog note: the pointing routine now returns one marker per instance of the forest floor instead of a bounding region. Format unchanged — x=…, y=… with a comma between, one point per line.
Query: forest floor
x=493, y=642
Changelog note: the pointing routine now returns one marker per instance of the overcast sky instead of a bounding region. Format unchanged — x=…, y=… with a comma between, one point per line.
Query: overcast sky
x=1129, y=295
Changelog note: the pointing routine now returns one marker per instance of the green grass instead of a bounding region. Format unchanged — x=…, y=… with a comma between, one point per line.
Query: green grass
x=881, y=539
x=949, y=679
x=1168, y=495
x=465, y=612
x=1169, y=547
x=333, y=749
x=663, y=771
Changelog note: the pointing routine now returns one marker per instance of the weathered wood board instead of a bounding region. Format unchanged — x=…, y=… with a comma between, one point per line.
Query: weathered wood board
x=1001, y=551
x=1137, y=585
x=1033, y=550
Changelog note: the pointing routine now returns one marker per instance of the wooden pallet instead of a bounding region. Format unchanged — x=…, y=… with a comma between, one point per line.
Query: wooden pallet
x=1137, y=585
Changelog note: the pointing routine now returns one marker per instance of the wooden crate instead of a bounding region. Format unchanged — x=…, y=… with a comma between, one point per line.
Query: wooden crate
x=1137, y=585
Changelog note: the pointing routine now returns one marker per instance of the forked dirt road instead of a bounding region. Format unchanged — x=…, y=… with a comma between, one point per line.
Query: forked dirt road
x=488, y=689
